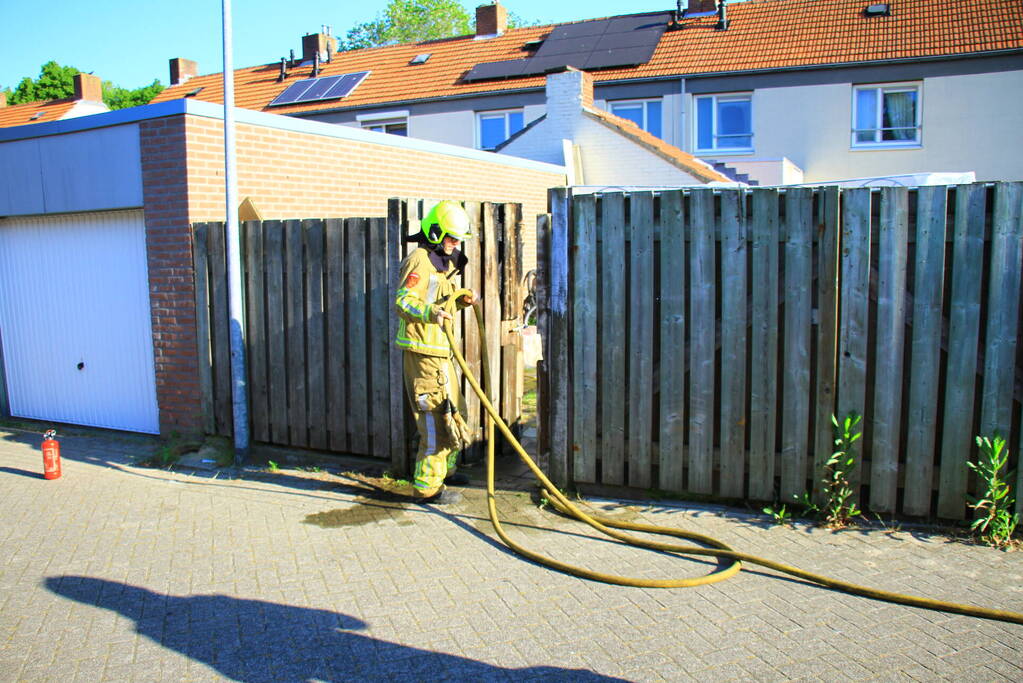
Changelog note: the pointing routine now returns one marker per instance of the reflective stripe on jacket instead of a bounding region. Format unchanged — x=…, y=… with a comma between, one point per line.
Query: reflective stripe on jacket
x=422, y=287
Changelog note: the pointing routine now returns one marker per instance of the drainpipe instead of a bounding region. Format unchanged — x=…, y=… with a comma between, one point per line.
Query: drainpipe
x=234, y=268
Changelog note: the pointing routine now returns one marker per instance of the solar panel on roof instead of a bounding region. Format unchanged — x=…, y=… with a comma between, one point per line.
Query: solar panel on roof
x=345, y=85
x=597, y=44
x=323, y=88
x=319, y=88
x=293, y=92
x=505, y=69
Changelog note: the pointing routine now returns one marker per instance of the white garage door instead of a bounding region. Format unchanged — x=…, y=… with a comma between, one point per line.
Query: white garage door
x=75, y=320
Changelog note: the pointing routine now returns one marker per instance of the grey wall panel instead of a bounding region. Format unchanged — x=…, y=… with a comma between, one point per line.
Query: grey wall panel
x=89, y=170
x=21, y=184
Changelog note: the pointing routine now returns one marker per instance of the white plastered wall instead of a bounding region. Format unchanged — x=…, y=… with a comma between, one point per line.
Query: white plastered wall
x=969, y=123
x=607, y=157
x=612, y=159
x=454, y=127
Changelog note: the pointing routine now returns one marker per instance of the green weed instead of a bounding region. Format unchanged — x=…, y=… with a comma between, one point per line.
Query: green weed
x=271, y=466
x=837, y=508
x=780, y=517
x=995, y=523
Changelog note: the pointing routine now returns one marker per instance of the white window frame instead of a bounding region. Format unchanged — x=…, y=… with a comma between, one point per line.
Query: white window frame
x=384, y=119
x=382, y=125
x=881, y=89
x=646, y=111
x=480, y=115
x=715, y=97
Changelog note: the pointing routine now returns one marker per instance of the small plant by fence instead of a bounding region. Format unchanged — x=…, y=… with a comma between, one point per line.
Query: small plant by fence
x=323, y=370
x=699, y=341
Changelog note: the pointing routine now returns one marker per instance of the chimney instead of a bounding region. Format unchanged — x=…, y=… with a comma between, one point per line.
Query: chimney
x=3, y=98
x=492, y=19
x=182, y=69
x=568, y=91
x=318, y=43
x=88, y=87
x=701, y=6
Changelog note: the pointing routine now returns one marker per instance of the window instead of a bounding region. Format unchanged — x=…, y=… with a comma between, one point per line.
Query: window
x=724, y=123
x=394, y=122
x=644, y=113
x=886, y=116
x=494, y=127
x=394, y=126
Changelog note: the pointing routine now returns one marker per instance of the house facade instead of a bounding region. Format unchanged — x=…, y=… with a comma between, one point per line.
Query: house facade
x=785, y=91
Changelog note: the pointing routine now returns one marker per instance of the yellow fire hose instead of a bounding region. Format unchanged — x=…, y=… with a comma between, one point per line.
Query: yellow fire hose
x=608, y=526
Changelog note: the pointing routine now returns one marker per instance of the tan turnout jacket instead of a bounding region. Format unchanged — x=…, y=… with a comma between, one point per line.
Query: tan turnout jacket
x=422, y=288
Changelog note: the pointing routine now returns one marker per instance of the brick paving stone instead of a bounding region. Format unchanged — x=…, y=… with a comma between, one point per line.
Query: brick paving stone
x=138, y=574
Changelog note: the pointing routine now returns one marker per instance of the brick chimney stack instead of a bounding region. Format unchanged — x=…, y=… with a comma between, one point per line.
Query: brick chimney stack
x=182, y=69
x=323, y=43
x=88, y=87
x=3, y=99
x=492, y=19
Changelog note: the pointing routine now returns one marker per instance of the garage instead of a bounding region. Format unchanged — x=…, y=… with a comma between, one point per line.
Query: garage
x=75, y=325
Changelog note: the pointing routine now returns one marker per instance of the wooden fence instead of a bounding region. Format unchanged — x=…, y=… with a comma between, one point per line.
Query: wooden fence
x=699, y=341
x=323, y=371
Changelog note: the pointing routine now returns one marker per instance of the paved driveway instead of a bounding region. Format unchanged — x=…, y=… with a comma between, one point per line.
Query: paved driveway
x=119, y=573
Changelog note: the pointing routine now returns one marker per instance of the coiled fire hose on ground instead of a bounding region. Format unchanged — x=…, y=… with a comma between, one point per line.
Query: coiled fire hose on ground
x=608, y=526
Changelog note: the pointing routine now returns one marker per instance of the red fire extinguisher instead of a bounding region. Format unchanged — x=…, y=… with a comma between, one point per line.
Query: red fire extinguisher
x=51, y=455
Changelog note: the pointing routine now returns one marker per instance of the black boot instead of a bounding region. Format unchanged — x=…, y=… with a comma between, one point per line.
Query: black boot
x=457, y=479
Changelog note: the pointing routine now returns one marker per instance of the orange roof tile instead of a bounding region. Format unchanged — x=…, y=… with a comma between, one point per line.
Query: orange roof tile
x=22, y=114
x=763, y=35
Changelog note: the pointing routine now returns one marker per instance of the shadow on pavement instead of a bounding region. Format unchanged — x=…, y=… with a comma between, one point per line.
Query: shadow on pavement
x=254, y=640
x=24, y=473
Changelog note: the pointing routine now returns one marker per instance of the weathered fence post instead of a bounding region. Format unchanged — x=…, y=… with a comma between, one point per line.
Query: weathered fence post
x=584, y=339
x=673, y=344
x=561, y=210
x=893, y=234
x=764, y=333
x=928, y=288
x=796, y=380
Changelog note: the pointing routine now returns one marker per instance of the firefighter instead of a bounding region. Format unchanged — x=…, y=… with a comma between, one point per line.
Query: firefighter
x=426, y=281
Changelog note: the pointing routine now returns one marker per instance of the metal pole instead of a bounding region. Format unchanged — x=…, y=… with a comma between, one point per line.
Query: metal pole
x=234, y=270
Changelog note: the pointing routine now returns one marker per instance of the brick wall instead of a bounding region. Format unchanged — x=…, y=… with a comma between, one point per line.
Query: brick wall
x=171, y=292
x=288, y=175
x=299, y=175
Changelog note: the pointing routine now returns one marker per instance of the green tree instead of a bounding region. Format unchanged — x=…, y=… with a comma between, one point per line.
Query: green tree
x=413, y=21
x=56, y=82
x=117, y=97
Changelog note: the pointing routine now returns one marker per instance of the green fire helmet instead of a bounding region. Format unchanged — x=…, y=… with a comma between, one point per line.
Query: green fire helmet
x=446, y=218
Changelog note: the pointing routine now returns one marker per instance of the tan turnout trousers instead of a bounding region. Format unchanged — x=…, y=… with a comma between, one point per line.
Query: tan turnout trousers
x=433, y=393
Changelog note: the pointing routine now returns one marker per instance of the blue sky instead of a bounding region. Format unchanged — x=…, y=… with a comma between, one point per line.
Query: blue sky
x=129, y=42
